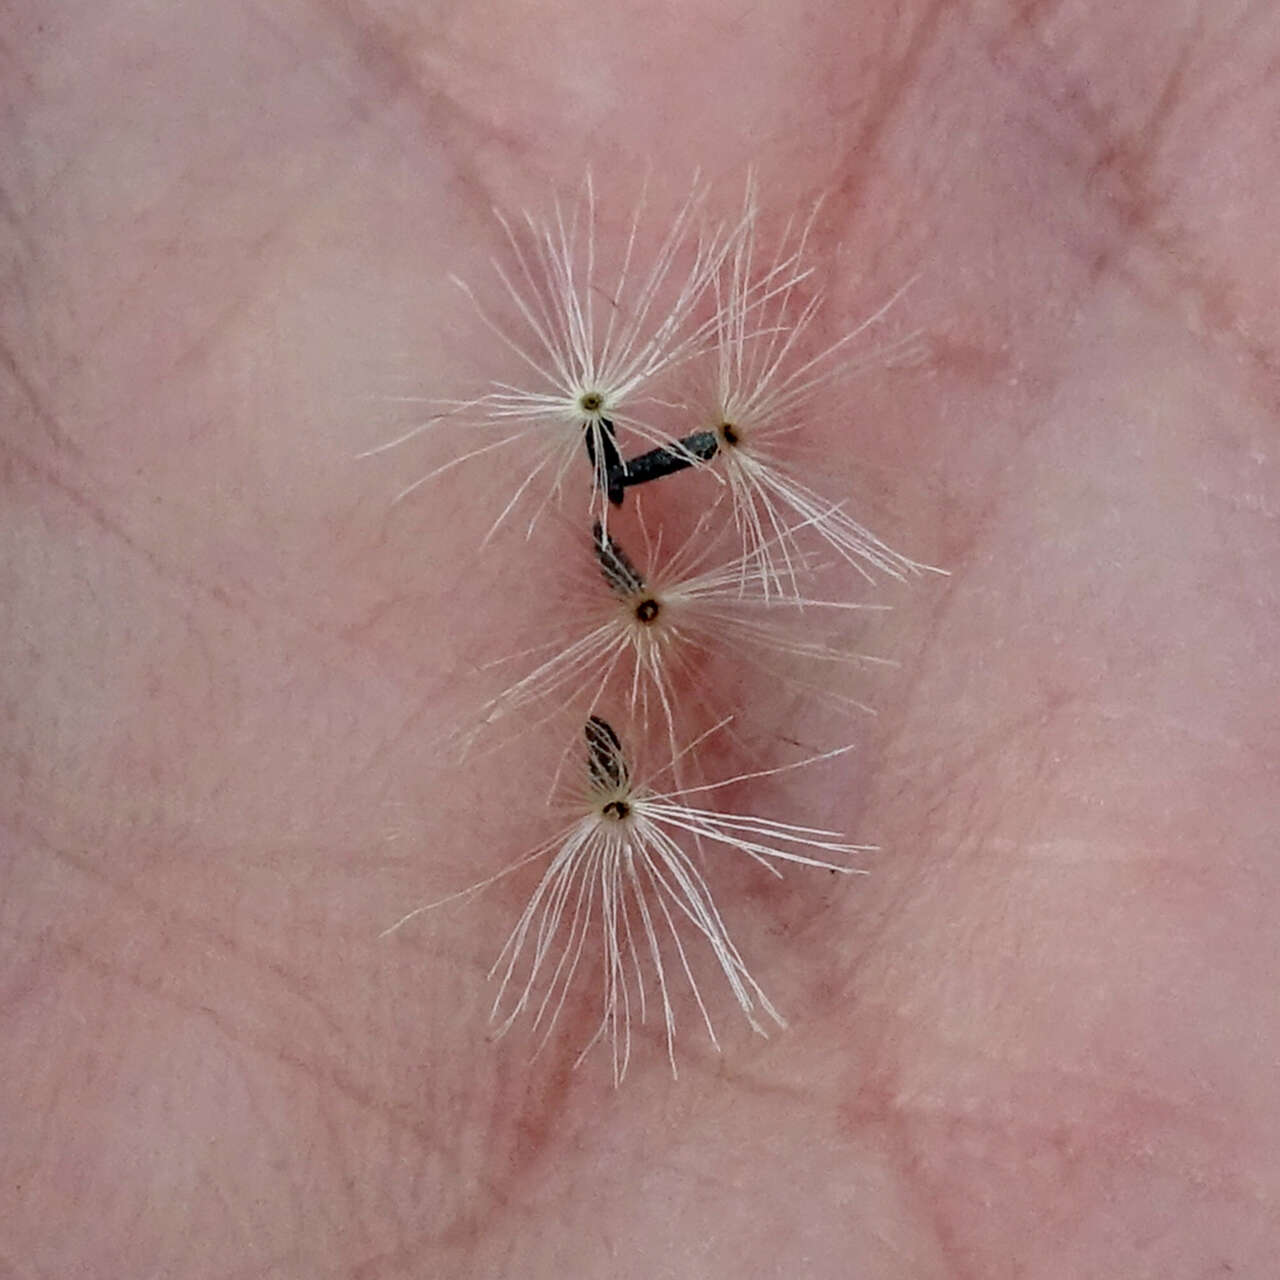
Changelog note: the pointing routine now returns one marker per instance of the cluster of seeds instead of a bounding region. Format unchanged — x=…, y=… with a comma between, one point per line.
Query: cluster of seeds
x=624, y=892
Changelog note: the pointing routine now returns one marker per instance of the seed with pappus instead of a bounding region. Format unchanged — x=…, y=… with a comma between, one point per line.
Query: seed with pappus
x=624, y=896
x=646, y=629
x=756, y=392
x=586, y=338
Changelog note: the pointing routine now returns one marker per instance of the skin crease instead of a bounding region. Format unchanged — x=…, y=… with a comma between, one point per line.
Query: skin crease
x=1040, y=1040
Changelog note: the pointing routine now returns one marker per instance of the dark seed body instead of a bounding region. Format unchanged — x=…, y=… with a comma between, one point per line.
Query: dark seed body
x=610, y=463
x=605, y=765
x=666, y=460
x=621, y=575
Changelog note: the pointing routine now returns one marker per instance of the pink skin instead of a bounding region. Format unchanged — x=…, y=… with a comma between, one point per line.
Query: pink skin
x=1040, y=1040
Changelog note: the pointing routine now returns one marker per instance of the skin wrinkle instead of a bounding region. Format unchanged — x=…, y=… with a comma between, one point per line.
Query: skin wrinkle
x=10, y=275
x=36, y=403
x=254, y=253
x=546, y=1139
x=1106, y=160
x=402, y=1118
x=887, y=107
x=1119, y=176
x=245, y=602
x=382, y=60
x=83, y=954
x=172, y=923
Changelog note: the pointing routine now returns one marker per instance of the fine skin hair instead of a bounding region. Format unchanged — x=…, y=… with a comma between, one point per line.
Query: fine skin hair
x=1036, y=1040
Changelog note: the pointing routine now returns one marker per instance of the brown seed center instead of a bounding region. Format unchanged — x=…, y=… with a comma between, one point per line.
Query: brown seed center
x=617, y=810
x=647, y=610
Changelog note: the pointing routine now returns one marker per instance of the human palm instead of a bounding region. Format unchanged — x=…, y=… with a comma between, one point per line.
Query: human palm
x=1039, y=1040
